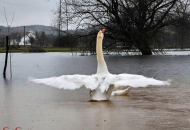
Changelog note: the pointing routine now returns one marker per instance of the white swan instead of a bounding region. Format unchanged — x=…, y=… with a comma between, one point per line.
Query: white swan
x=102, y=83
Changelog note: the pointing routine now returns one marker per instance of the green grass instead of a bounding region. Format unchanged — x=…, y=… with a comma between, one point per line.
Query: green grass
x=57, y=49
x=26, y=49
x=14, y=50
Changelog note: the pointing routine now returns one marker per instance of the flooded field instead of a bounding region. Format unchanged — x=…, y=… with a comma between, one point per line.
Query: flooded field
x=39, y=107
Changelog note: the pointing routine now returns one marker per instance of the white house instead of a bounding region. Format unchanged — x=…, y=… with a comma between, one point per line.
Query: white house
x=21, y=36
x=27, y=37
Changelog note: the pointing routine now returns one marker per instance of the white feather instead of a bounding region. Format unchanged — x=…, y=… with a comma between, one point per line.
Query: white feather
x=135, y=81
x=102, y=82
x=70, y=82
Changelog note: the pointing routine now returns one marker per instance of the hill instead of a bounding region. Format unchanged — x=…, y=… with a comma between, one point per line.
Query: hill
x=34, y=28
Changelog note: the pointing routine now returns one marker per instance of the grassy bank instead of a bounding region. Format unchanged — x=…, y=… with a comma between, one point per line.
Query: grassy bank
x=26, y=49
x=52, y=49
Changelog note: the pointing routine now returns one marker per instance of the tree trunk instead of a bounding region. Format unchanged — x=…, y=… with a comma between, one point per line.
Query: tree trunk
x=144, y=47
x=146, y=51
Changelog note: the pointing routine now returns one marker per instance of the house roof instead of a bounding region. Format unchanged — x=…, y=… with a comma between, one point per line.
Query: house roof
x=22, y=33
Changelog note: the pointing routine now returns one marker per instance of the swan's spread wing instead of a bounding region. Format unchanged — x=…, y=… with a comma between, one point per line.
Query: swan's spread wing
x=70, y=82
x=136, y=81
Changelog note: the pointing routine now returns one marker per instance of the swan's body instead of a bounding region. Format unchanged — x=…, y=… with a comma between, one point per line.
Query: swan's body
x=102, y=83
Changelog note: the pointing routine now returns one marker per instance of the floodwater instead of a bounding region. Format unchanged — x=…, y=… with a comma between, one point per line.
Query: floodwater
x=39, y=107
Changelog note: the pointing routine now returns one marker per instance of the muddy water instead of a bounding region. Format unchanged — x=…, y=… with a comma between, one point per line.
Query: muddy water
x=38, y=107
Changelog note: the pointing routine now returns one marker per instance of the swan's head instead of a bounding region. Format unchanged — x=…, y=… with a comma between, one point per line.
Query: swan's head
x=101, y=33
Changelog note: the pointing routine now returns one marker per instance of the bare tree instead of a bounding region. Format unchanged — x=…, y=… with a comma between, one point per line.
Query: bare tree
x=7, y=46
x=63, y=15
x=133, y=22
x=40, y=37
x=31, y=40
x=182, y=26
x=13, y=37
x=18, y=38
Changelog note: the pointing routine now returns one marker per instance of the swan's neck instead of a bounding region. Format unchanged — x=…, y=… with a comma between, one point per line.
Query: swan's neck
x=102, y=67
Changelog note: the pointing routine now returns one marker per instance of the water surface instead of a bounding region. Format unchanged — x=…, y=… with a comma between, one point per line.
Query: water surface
x=34, y=106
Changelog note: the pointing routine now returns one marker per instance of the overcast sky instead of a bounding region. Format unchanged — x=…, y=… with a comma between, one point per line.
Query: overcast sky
x=27, y=12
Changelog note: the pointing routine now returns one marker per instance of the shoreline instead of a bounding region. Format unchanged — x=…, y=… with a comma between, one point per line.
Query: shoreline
x=75, y=51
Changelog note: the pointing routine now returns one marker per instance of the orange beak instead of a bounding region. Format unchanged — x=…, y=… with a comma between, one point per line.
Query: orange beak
x=103, y=30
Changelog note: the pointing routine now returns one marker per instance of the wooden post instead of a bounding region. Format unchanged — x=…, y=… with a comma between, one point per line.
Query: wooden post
x=6, y=56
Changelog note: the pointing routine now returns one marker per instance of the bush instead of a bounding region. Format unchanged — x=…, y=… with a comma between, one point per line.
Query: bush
x=37, y=49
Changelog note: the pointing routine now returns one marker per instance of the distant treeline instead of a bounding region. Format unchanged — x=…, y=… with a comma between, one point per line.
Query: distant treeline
x=146, y=26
